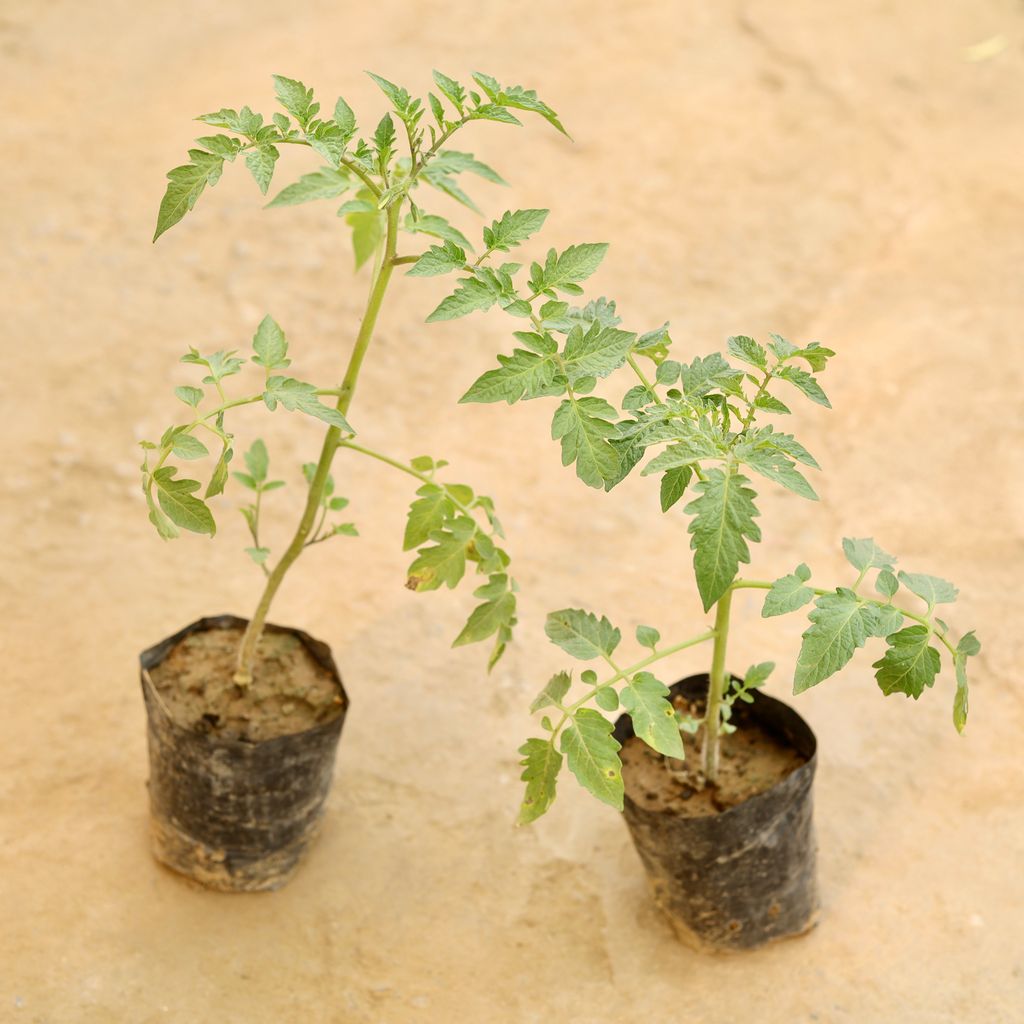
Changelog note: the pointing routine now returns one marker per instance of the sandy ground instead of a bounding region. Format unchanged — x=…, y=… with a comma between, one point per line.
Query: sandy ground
x=839, y=172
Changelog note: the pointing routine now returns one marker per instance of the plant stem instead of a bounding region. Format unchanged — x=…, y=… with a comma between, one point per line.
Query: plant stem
x=631, y=359
x=716, y=688
x=317, y=486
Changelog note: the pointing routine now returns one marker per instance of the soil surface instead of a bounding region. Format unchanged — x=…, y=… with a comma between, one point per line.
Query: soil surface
x=290, y=690
x=847, y=172
x=751, y=761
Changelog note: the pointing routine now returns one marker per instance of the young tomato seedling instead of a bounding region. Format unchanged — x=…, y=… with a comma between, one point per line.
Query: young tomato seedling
x=449, y=525
x=704, y=419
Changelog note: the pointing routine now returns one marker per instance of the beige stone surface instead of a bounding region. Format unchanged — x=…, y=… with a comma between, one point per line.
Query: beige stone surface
x=834, y=171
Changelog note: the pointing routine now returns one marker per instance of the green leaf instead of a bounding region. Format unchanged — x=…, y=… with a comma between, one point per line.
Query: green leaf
x=326, y=183
x=260, y=162
x=434, y=177
x=757, y=675
x=636, y=398
x=190, y=396
x=840, y=624
x=439, y=259
x=437, y=109
x=541, y=765
x=582, y=634
x=968, y=647
x=270, y=345
x=931, y=589
x=668, y=372
x=384, y=140
x=467, y=298
x=398, y=97
x=491, y=112
x=219, y=477
x=164, y=527
x=221, y=145
x=771, y=404
x=592, y=754
x=297, y=396
x=344, y=118
x=596, y=352
x=788, y=593
x=886, y=583
x=296, y=99
x=443, y=564
x=553, y=693
x=786, y=443
x=805, y=382
x=647, y=636
x=673, y=484
x=582, y=425
x=606, y=698
x=220, y=364
x=367, y=225
x=178, y=500
x=185, y=184
x=438, y=227
x=709, y=373
x=426, y=514
x=909, y=663
x=654, y=344
x=257, y=461
x=521, y=375
x=450, y=161
x=258, y=555
x=570, y=267
x=887, y=619
x=518, y=97
x=245, y=122
x=863, y=554
x=723, y=521
x=749, y=351
x=815, y=355
x=455, y=93
x=186, y=446
x=782, y=348
x=654, y=718
x=683, y=454
x=513, y=228
x=776, y=466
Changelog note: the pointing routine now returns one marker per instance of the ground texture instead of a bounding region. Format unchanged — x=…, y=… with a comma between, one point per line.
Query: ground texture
x=847, y=172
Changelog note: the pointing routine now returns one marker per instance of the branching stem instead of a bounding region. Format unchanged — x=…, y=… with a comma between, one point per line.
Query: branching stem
x=332, y=439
